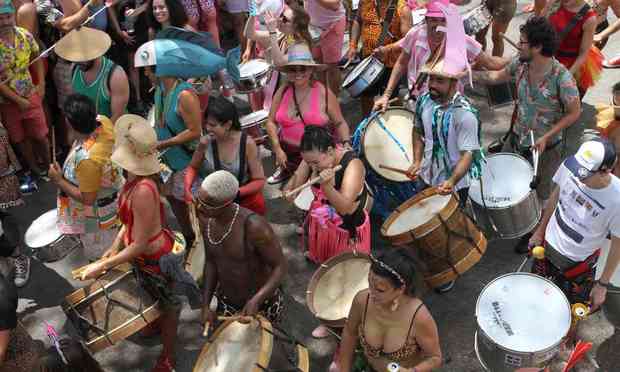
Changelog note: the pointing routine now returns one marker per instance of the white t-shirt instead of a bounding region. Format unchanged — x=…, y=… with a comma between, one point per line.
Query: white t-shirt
x=583, y=217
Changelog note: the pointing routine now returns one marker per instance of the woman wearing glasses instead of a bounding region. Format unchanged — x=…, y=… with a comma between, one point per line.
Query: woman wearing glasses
x=226, y=147
x=302, y=102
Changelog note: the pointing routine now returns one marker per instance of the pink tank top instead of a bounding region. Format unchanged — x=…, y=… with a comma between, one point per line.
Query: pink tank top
x=292, y=128
x=323, y=17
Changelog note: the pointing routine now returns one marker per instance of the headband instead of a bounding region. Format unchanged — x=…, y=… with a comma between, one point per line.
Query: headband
x=389, y=269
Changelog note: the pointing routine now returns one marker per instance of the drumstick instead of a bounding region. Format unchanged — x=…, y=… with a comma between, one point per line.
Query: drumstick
x=53, y=145
x=512, y=43
x=205, y=333
x=310, y=182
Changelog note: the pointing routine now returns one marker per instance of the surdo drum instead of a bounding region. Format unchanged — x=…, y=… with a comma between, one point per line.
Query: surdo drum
x=334, y=285
x=253, y=76
x=112, y=308
x=254, y=125
x=505, y=206
x=477, y=20
x=522, y=319
x=256, y=346
x=47, y=242
x=444, y=238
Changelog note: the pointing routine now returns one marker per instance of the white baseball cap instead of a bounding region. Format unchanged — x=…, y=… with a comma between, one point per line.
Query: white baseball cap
x=592, y=156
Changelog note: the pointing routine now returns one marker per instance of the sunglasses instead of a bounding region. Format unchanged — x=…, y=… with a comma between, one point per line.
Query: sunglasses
x=297, y=69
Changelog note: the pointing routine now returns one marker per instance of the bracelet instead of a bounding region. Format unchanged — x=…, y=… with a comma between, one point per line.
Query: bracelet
x=604, y=285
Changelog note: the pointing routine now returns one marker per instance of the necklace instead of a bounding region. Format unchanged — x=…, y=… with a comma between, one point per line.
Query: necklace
x=216, y=242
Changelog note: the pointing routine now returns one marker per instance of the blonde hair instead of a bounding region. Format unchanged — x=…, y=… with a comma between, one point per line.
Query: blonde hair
x=221, y=186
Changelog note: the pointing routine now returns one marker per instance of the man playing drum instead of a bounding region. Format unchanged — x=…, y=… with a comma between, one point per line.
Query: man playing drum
x=88, y=182
x=545, y=111
x=244, y=264
x=584, y=209
x=447, y=137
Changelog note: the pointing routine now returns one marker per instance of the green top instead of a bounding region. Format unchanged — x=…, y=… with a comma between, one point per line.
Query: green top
x=98, y=90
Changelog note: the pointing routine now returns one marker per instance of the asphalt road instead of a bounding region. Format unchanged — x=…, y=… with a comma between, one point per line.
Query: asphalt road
x=454, y=311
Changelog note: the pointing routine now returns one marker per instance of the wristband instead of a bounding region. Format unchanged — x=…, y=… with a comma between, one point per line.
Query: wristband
x=604, y=285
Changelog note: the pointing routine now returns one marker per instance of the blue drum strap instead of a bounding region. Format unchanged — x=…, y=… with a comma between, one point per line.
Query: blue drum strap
x=381, y=123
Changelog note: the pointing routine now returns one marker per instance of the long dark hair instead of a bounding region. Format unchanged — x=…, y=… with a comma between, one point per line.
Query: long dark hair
x=316, y=138
x=223, y=110
x=401, y=261
x=176, y=12
x=301, y=21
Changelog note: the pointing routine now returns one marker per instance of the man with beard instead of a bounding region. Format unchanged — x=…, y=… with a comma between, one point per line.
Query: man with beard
x=244, y=264
x=547, y=103
x=94, y=75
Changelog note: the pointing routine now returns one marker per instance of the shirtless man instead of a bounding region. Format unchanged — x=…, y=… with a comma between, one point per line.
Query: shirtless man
x=244, y=264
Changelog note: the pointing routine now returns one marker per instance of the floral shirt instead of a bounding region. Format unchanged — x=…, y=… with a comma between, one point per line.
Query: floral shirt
x=541, y=107
x=14, y=60
x=372, y=25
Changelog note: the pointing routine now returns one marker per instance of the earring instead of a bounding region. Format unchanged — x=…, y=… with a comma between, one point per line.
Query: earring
x=395, y=304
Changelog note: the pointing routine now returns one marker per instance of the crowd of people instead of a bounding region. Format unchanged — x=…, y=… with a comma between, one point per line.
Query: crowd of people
x=126, y=108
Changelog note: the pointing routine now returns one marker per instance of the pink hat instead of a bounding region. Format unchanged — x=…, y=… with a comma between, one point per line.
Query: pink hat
x=433, y=9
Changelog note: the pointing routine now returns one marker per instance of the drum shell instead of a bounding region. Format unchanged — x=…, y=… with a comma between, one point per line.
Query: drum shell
x=511, y=222
x=611, y=306
x=367, y=77
x=495, y=358
x=57, y=250
x=254, y=82
x=477, y=19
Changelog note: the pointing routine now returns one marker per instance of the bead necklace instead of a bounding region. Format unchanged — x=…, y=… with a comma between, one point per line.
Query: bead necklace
x=213, y=242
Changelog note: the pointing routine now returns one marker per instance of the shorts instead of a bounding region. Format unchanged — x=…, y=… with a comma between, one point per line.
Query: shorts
x=30, y=123
x=175, y=186
x=501, y=10
x=329, y=49
x=237, y=6
x=62, y=76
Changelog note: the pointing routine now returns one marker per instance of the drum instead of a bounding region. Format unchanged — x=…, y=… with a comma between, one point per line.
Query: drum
x=304, y=199
x=251, y=347
x=477, y=20
x=611, y=306
x=521, y=321
x=254, y=125
x=443, y=237
x=363, y=76
x=510, y=208
x=150, y=117
x=195, y=259
x=503, y=94
x=253, y=76
x=112, y=308
x=334, y=285
x=47, y=242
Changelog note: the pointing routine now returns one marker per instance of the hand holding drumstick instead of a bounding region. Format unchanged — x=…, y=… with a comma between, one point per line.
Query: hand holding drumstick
x=287, y=194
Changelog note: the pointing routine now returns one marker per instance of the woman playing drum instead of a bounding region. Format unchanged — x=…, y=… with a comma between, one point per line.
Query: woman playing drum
x=337, y=221
x=228, y=148
x=302, y=102
x=141, y=211
x=390, y=322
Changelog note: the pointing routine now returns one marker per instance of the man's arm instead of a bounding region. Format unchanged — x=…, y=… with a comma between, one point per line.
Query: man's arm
x=73, y=20
x=573, y=110
x=5, y=337
x=599, y=290
x=492, y=77
x=488, y=62
x=210, y=278
x=119, y=93
x=539, y=235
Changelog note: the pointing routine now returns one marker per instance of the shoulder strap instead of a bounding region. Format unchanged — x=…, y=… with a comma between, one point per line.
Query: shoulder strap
x=389, y=14
x=242, y=151
x=216, y=156
x=413, y=318
x=573, y=22
x=515, y=111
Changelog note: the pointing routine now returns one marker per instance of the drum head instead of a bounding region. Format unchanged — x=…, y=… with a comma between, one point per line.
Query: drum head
x=150, y=118
x=357, y=71
x=381, y=145
x=505, y=179
x=334, y=285
x=237, y=347
x=523, y=312
x=252, y=68
x=304, y=199
x=417, y=215
x=253, y=118
x=43, y=231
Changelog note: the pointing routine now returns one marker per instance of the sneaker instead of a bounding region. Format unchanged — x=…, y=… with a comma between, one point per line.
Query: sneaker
x=279, y=176
x=22, y=270
x=28, y=185
x=164, y=364
x=444, y=288
x=612, y=62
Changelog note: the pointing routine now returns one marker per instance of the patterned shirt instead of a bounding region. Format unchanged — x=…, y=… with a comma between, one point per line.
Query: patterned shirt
x=372, y=25
x=541, y=107
x=14, y=60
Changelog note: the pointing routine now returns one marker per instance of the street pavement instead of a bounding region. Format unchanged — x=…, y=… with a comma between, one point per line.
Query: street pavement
x=453, y=312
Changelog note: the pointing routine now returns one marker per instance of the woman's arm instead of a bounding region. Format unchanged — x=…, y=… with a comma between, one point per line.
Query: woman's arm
x=189, y=109
x=613, y=27
x=586, y=43
x=344, y=200
x=257, y=174
x=427, y=338
x=335, y=116
x=272, y=127
x=349, y=333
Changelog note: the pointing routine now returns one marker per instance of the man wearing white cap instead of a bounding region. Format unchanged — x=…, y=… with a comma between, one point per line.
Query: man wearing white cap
x=584, y=209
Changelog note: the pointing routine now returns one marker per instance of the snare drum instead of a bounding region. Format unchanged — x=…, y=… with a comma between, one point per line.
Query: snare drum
x=477, y=20
x=522, y=319
x=47, y=242
x=510, y=208
x=444, y=238
x=334, y=285
x=253, y=76
x=304, y=200
x=254, y=125
x=363, y=76
x=112, y=308
x=611, y=306
x=252, y=347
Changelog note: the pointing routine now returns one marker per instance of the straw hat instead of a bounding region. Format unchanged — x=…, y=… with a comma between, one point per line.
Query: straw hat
x=299, y=55
x=135, y=146
x=83, y=44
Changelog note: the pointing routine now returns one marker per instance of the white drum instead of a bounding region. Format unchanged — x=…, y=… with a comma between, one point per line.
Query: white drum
x=150, y=117
x=521, y=321
x=611, y=306
x=253, y=76
x=47, y=242
x=477, y=19
x=254, y=125
x=304, y=199
x=510, y=207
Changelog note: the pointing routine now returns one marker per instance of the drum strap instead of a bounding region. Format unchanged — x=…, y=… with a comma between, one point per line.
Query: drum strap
x=573, y=22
